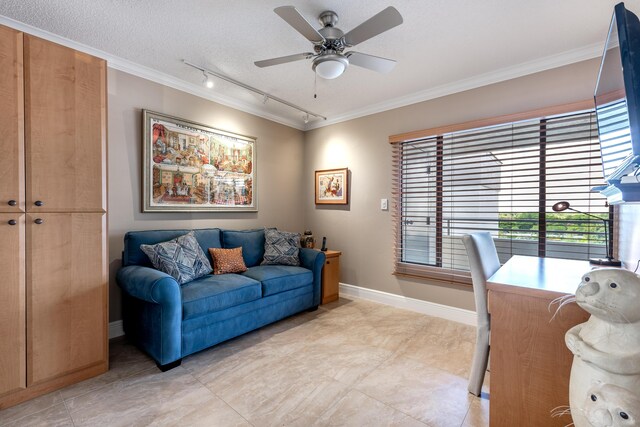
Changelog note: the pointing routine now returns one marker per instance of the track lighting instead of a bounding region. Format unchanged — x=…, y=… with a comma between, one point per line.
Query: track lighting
x=208, y=82
x=207, y=73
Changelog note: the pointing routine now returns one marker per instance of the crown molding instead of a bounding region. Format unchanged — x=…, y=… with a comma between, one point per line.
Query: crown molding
x=520, y=70
x=195, y=89
x=129, y=67
x=124, y=65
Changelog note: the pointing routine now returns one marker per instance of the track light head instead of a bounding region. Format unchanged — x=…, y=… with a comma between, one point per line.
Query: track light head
x=208, y=82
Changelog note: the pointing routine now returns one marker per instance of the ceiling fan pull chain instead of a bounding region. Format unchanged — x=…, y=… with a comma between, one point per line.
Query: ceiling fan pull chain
x=315, y=85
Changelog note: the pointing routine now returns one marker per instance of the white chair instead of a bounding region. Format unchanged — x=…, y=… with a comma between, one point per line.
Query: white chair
x=483, y=262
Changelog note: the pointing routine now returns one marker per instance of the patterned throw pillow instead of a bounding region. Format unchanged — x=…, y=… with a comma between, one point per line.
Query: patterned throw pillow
x=181, y=258
x=227, y=260
x=281, y=247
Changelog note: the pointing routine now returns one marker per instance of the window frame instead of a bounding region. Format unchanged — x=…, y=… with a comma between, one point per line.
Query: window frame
x=445, y=275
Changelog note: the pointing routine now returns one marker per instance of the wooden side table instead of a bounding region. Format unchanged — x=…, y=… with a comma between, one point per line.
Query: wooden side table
x=331, y=276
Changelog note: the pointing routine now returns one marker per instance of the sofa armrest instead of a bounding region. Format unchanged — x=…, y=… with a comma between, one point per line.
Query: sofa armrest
x=152, y=311
x=149, y=285
x=314, y=261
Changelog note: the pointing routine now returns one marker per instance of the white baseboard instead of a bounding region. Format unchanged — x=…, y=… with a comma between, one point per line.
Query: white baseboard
x=115, y=329
x=455, y=314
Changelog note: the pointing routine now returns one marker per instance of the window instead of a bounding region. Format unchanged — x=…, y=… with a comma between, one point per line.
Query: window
x=504, y=179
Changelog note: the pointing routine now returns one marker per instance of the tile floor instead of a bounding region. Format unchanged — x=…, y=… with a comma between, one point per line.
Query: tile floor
x=350, y=363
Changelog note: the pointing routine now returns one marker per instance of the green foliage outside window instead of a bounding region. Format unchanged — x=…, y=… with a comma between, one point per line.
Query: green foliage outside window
x=562, y=227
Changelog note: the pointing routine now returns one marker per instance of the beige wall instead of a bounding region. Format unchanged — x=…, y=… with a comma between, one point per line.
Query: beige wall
x=279, y=166
x=361, y=230
x=287, y=159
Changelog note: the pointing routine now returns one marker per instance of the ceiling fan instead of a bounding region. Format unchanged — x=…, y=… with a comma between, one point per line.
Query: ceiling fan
x=329, y=42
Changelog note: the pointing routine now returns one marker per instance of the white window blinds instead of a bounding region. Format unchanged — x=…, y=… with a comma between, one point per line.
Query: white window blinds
x=502, y=179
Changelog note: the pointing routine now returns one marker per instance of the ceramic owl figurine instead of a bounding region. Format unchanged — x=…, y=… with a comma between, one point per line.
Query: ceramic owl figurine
x=606, y=347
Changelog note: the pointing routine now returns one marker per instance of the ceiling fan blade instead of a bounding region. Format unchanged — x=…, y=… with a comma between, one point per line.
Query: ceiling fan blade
x=283, y=59
x=291, y=15
x=377, y=24
x=375, y=63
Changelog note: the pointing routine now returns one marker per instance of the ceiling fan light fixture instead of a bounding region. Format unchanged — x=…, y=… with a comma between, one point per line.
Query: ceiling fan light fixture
x=330, y=66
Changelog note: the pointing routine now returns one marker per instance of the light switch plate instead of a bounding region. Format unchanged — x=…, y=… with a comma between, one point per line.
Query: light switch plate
x=384, y=204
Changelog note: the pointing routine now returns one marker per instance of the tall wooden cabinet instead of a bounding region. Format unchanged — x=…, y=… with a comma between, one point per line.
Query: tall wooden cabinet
x=12, y=304
x=12, y=237
x=53, y=205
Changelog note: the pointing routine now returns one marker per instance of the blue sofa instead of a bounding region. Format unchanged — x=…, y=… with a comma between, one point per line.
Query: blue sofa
x=170, y=321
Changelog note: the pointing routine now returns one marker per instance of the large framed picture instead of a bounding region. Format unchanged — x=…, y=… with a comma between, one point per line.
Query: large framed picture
x=190, y=167
x=332, y=187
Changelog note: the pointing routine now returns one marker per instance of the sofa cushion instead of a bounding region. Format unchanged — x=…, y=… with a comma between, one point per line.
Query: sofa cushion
x=279, y=278
x=214, y=293
x=182, y=258
x=281, y=247
x=133, y=255
x=251, y=241
x=227, y=260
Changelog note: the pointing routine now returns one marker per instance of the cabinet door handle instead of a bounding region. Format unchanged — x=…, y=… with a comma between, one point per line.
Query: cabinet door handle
x=328, y=262
x=39, y=221
x=39, y=203
x=12, y=222
x=12, y=203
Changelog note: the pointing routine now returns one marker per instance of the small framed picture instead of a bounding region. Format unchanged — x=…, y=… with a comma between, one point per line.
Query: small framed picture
x=332, y=187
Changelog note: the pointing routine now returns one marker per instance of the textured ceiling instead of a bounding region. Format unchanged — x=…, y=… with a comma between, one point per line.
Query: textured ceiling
x=442, y=46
